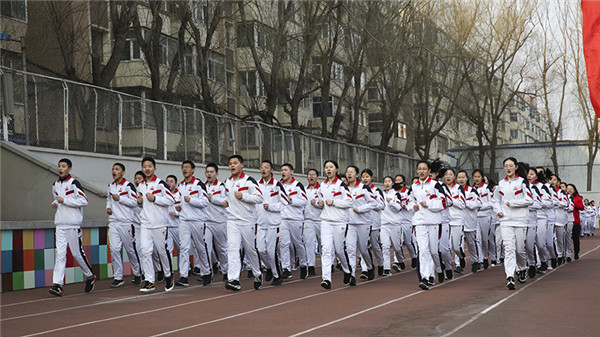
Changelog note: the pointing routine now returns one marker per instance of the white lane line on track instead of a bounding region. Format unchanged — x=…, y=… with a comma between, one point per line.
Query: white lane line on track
x=495, y=305
x=53, y=298
x=375, y=307
x=96, y=304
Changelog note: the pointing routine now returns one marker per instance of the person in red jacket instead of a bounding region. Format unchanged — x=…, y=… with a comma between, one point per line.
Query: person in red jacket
x=578, y=206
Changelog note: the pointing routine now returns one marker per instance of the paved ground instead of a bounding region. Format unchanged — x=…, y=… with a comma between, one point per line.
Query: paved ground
x=564, y=302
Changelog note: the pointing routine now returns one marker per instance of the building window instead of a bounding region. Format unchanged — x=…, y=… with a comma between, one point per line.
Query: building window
x=249, y=135
x=373, y=93
x=98, y=45
x=189, y=60
x=251, y=84
x=442, y=144
x=317, y=107
x=216, y=67
x=514, y=134
x=132, y=49
x=15, y=9
x=514, y=117
x=337, y=72
x=401, y=130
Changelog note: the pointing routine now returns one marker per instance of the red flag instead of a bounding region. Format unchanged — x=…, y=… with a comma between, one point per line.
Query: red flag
x=591, y=49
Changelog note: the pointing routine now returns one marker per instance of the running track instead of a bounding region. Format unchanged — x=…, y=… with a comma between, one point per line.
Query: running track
x=564, y=302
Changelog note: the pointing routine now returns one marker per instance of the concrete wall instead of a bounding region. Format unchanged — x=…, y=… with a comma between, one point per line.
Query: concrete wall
x=572, y=159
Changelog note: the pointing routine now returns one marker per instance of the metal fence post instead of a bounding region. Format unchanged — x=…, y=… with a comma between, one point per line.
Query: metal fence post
x=203, y=141
x=37, y=123
x=66, y=113
x=166, y=149
x=260, y=135
x=185, y=151
x=282, y=146
x=120, y=118
x=26, y=105
x=95, y=118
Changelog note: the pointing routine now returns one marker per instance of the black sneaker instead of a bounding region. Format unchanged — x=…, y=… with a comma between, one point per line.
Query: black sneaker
x=215, y=268
x=137, y=280
x=169, y=283
x=269, y=275
x=286, y=274
x=402, y=266
x=338, y=266
x=475, y=267
x=56, y=290
x=431, y=281
x=413, y=263
x=542, y=269
x=225, y=277
x=449, y=274
x=485, y=264
x=387, y=272
x=576, y=256
x=326, y=284
x=89, y=284
x=117, y=283
x=380, y=270
x=277, y=281
x=304, y=272
x=459, y=269
x=148, y=287
x=423, y=285
x=347, y=277
x=250, y=274
x=553, y=263
x=196, y=271
x=441, y=277
x=332, y=269
x=522, y=276
x=371, y=273
x=206, y=280
x=352, y=281
x=311, y=271
x=233, y=285
x=258, y=282
x=364, y=275
x=160, y=276
x=462, y=262
x=560, y=261
x=510, y=284
x=396, y=267
x=531, y=272
x=494, y=264
x=182, y=282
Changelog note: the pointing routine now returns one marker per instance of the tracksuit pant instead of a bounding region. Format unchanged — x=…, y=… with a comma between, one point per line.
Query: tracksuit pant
x=357, y=241
x=290, y=233
x=560, y=240
x=540, y=240
x=473, y=242
x=550, y=244
x=155, y=239
x=485, y=228
x=530, y=246
x=312, y=240
x=267, y=241
x=374, y=246
x=513, y=239
x=215, y=237
x=408, y=240
x=333, y=242
x=241, y=235
x=569, y=239
x=120, y=236
x=427, y=246
x=456, y=238
x=192, y=231
x=444, y=246
x=391, y=238
x=70, y=237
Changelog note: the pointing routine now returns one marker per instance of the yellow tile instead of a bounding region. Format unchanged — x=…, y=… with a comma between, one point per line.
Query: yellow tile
x=28, y=239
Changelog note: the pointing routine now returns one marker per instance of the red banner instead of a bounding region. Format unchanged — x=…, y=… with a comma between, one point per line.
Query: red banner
x=591, y=49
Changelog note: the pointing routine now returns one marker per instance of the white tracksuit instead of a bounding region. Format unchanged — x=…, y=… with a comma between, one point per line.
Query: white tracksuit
x=551, y=230
x=444, y=232
x=457, y=216
x=312, y=224
x=215, y=235
x=484, y=218
x=427, y=220
x=68, y=219
x=561, y=221
x=513, y=223
x=391, y=227
x=569, y=228
x=542, y=227
x=359, y=225
x=532, y=224
x=375, y=235
x=120, y=226
x=406, y=215
x=292, y=218
x=334, y=225
x=471, y=229
x=191, y=226
x=154, y=220
x=269, y=221
x=241, y=224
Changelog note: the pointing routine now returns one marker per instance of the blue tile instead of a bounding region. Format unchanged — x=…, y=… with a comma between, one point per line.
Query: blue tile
x=103, y=255
x=40, y=278
x=7, y=241
x=49, y=238
x=95, y=254
x=6, y=261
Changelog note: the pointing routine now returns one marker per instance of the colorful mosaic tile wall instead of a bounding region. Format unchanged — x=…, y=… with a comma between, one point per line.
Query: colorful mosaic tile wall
x=28, y=258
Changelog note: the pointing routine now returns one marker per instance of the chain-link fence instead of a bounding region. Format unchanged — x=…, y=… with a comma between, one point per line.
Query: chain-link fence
x=56, y=113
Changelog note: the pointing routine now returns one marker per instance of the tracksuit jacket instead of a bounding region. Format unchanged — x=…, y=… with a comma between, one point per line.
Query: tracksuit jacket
x=123, y=211
x=69, y=214
x=297, y=200
x=337, y=191
x=391, y=213
x=516, y=193
x=472, y=203
x=364, y=202
x=215, y=212
x=432, y=193
x=242, y=211
x=313, y=213
x=195, y=210
x=377, y=194
x=274, y=195
x=457, y=193
x=155, y=214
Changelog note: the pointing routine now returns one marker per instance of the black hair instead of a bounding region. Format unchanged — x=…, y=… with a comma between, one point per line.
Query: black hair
x=353, y=167
x=66, y=161
x=414, y=178
x=333, y=162
x=172, y=176
x=466, y=174
x=449, y=169
x=557, y=177
x=288, y=165
x=513, y=159
x=424, y=162
x=150, y=159
x=236, y=156
x=213, y=165
x=402, y=176
x=268, y=162
x=435, y=166
x=541, y=173
x=120, y=165
x=522, y=169
x=491, y=182
x=384, y=178
x=139, y=173
x=576, y=193
x=368, y=171
x=312, y=169
x=480, y=171
x=189, y=162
